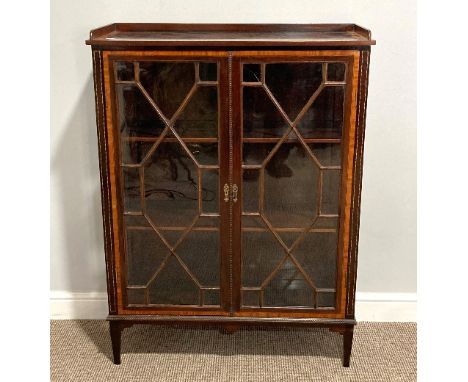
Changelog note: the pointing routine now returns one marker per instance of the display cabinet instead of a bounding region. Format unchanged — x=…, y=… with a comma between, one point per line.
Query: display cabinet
x=231, y=165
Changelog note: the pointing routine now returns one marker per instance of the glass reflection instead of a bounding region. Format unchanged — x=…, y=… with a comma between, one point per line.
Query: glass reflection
x=293, y=84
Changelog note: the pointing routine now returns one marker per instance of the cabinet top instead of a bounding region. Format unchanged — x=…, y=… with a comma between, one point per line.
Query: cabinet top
x=123, y=35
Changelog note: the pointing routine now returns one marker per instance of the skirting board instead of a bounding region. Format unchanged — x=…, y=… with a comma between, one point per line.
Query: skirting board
x=377, y=307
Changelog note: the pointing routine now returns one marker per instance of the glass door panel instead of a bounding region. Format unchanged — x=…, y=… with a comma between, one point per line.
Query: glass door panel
x=168, y=123
x=292, y=126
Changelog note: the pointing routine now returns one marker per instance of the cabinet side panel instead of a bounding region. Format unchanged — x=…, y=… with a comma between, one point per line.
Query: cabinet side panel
x=349, y=150
x=357, y=181
x=106, y=199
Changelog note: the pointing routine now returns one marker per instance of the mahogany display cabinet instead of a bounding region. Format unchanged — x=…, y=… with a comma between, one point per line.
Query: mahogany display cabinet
x=231, y=165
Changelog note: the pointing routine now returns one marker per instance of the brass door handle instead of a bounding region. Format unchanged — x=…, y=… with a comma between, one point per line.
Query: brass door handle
x=234, y=193
x=234, y=190
x=226, y=193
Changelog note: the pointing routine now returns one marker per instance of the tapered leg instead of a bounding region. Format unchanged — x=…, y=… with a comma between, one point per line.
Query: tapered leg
x=347, y=345
x=116, y=331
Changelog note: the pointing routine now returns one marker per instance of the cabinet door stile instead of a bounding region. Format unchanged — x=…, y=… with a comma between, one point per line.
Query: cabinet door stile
x=236, y=128
x=225, y=180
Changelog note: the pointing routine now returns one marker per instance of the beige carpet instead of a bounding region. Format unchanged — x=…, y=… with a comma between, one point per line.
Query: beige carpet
x=81, y=351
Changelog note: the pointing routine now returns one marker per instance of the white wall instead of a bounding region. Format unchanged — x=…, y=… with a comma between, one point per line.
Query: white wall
x=387, y=251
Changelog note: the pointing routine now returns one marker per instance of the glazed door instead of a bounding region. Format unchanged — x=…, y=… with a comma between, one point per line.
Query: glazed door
x=293, y=128
x=169, y=132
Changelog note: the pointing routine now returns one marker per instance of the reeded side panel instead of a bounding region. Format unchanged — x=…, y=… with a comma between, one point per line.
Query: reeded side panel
x=292, y=127
x=168, y=122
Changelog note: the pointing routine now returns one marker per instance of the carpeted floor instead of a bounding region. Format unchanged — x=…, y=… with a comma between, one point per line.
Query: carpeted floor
x=81, y=351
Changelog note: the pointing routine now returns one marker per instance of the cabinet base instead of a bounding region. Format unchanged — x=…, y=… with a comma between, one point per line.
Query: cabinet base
x=229, y=325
